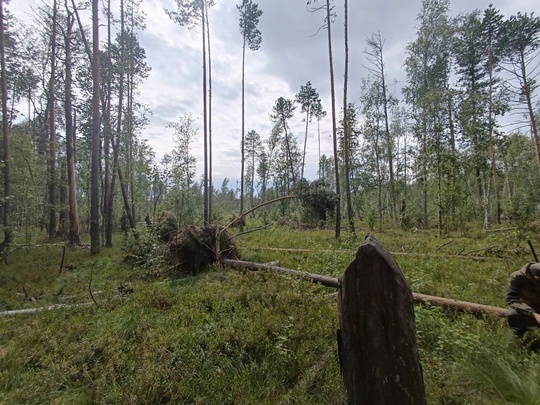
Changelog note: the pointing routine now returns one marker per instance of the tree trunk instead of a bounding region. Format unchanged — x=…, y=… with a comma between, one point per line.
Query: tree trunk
x=289, y=154
x=62, y=214
x=210, y=184
x=346, y=141
x=52, y=132
x=377, y=336
x=94, y=182
x=131, y=74
x=242, y=164
x=73, y=235
x=107, y=220
x=6, y=205
x=305, y=143
x=205, y=116
x=334, y=128
x=389, y=146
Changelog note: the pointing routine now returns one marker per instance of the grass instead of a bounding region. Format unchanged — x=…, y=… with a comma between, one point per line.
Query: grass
x=242, y=337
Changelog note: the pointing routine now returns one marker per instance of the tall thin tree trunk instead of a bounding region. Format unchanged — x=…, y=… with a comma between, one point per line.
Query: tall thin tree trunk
x=334, y=128
x=453, y=154
x=6, y=205
x=305, y=143
x=242, y=164
x=389, y=148
x=94, y=183
x=346, y=157
x=107, y=220
x=210, y=184
x=289, y=154
x=73, y=235
x=62, y=214
x=131, y=74
x=205, y=116
x=115, y=163
x=319, y=140
x=52, y=131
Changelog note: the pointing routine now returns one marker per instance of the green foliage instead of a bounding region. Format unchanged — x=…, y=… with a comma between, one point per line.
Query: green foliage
x=318, y=200
x=147, y=252
x=506, y=380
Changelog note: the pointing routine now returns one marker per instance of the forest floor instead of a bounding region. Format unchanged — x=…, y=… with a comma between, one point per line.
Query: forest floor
x=239, y=337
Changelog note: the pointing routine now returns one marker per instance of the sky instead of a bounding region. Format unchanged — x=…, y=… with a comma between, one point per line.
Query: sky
x=293, y=51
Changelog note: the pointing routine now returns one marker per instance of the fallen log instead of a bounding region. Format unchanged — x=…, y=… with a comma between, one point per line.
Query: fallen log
x=41, y=309
x=336, y=283
x=461, y=305
x=316, y=278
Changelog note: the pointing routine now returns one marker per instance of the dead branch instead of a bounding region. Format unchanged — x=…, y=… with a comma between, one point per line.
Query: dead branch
x=444, y=244
x=257, y=207
x=309, y=376
x=63, y=257
x=250, y=231
x=48, y=308
x=512, y=228
x=90, y=285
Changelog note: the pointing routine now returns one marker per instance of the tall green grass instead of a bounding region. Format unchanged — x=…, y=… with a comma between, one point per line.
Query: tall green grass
x=241, y=337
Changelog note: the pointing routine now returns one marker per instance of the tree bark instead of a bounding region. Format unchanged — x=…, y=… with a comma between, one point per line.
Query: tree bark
x=346, y=139
x=377, y=336
x=6, y=204
x=52, y=131
x=210, y=185
x=334, y=128
x=243, y=141
x=107, y=220
x=205, y=115
x=73, y=235
x=94, y=181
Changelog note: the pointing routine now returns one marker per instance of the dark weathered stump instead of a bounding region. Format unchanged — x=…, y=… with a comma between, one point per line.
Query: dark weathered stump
x=377, y=337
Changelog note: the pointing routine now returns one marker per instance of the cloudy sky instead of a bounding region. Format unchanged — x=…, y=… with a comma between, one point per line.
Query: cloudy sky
x=291, y=54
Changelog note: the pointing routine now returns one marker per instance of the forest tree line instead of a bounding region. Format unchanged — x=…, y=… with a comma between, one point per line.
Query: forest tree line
x=458, y=143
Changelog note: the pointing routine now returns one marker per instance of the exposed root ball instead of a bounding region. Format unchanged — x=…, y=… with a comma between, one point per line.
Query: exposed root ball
x=166, y=226
x=194, y=247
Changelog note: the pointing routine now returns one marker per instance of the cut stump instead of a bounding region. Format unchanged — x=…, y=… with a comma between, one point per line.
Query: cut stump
x=377, y=336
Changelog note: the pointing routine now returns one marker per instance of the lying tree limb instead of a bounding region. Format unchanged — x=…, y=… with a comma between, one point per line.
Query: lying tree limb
x=461, y=305
x=40, y=309
x=316, y=278
x=336, y=283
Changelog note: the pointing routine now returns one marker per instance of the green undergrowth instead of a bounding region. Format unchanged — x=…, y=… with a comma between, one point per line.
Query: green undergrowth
x=242, y=337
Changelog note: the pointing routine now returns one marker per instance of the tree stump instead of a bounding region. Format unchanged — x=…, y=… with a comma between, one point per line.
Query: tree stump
x=377, y=336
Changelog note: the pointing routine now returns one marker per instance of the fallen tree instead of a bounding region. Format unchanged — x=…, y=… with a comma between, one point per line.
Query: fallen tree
x=336, y=283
